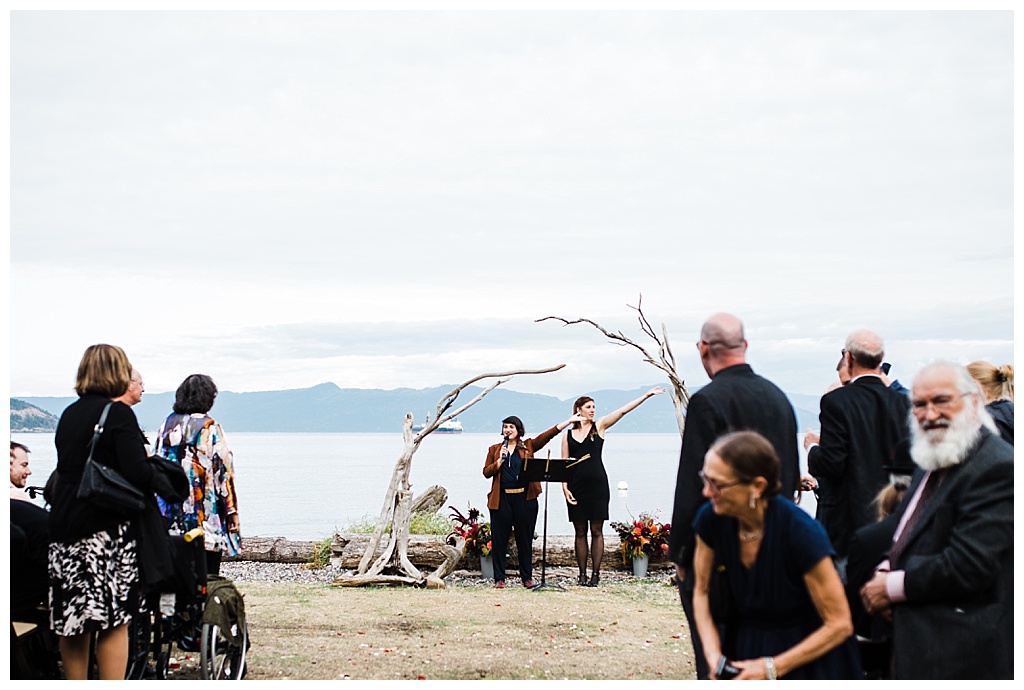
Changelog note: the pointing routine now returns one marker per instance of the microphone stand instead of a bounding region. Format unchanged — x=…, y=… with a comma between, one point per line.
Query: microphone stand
x=544, y=546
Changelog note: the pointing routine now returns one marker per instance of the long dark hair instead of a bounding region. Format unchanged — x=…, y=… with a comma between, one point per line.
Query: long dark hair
x=580, y=402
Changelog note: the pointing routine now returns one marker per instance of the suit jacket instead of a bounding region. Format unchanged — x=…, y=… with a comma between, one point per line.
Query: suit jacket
x=861, y=426
x=957, y=620
x=737, y=399
x=526, y=450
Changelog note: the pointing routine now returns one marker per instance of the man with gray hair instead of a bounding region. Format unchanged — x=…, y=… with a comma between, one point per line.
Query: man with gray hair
x=737, y=399
x=133, y=396
x=862, y=424
x=947, y=584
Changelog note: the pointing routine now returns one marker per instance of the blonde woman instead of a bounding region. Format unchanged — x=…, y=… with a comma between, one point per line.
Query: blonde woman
x=93, y=561
x=997, y=384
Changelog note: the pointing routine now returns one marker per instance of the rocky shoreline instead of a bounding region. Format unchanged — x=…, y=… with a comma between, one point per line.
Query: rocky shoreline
x=261, y=571
x=347, y=549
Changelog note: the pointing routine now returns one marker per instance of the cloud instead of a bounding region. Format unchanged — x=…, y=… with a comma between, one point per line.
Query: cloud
x=396, y=196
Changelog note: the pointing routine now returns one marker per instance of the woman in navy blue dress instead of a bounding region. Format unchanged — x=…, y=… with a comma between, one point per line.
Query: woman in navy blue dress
x=586, y=493
x=793, y=619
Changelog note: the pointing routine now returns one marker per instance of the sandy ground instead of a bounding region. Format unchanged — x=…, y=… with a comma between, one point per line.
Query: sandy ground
x=626, y=628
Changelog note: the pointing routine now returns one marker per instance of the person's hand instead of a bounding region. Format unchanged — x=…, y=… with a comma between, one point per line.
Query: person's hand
x=751, y=669
x=810, y=438
x=234, y=523
x=876, y=597
x=808, y=483
x=657, y=390
x=569, y=498
x=575, y=419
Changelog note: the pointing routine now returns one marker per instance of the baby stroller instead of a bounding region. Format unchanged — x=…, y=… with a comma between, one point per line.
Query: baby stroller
x=196, y=613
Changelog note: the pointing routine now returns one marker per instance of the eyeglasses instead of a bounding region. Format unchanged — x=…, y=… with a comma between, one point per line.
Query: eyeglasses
x=941, y=403
x=716, y=487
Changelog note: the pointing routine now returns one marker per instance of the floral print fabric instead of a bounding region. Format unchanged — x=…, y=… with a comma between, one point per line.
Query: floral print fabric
x=197, y=442
x=93, y=582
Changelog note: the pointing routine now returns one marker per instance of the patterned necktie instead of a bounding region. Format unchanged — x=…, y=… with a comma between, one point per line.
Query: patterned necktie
x=931, y=484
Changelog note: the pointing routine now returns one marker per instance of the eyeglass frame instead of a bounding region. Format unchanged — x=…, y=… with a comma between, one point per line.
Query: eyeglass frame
x=939, y=405
x=717, y=488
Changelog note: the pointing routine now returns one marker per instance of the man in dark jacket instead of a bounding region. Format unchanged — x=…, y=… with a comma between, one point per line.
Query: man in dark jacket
x=947, y=583
x=862, y=423
x=737, y=399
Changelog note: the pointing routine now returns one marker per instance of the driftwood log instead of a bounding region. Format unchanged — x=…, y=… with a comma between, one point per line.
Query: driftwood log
x=424, y=551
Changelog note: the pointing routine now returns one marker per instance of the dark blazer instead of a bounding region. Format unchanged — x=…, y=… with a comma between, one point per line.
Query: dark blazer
x=1002, y=413
x=862, y=424
x=737, y=399
x=957, y=621
x=526, y=450
x=120, y=447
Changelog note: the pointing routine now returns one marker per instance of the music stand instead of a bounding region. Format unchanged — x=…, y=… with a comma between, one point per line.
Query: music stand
x=546, y=470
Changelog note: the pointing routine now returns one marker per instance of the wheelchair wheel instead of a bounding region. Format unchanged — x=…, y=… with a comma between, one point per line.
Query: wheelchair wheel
x=218, y=658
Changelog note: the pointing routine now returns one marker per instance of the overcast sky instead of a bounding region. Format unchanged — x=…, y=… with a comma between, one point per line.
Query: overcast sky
x=388, y=200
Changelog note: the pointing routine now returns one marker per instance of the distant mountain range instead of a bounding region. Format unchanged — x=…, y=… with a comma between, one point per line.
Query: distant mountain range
x=328, y=408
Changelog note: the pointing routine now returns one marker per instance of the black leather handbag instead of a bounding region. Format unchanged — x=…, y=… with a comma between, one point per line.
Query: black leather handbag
x=103, y=486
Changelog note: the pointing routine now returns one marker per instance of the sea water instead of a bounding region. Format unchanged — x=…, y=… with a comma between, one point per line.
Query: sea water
x=306, y=486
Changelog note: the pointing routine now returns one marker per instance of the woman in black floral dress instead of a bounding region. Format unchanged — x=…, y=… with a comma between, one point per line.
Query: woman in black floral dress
x=93, y=564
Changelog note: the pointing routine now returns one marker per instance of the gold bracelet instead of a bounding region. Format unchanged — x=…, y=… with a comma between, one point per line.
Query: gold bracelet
x=769, y=667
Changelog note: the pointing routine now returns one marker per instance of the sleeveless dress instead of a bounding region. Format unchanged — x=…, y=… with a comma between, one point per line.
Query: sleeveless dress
x=774, y=608
x=589, y=483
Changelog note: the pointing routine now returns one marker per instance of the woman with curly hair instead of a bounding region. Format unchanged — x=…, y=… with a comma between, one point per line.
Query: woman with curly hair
x=193, y=438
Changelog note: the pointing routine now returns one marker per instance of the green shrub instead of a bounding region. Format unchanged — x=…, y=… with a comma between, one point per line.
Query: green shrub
x=422, y=523
x=321, y=557
x=429, y=523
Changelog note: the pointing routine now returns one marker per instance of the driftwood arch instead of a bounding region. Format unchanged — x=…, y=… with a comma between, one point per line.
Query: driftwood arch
x=663, y=360
x=393, y=566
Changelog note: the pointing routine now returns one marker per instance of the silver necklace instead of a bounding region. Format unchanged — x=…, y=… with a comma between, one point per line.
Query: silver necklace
x=753, y=535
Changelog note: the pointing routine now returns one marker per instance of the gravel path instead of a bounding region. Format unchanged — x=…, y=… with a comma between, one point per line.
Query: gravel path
x=252, y=571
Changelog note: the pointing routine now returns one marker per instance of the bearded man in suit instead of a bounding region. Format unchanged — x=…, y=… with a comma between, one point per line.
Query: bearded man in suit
x=737, y=399
x=947, y=584
x=862, y=424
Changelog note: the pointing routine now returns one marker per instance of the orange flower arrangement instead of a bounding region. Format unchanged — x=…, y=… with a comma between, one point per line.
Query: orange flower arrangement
x=645, y=536
x=477, y=534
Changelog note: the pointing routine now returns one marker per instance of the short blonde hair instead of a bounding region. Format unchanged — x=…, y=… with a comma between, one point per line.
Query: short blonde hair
x=996, y=382
x=104, y=370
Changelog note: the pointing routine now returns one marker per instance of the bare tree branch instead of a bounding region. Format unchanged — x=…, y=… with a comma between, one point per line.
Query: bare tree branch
x=664, y=360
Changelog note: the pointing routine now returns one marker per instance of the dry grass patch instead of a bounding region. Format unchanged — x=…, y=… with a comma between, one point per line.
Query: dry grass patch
x=620, y=630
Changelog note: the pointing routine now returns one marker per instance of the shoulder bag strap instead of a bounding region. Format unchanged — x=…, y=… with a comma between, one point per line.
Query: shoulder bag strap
x=97, y=430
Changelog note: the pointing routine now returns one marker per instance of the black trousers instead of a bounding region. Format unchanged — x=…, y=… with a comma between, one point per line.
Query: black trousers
x=513, y=511
x=686, y=598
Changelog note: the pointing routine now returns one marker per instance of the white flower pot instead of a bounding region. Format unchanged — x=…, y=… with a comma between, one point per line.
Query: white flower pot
x=486, y=567
x=640, y=566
